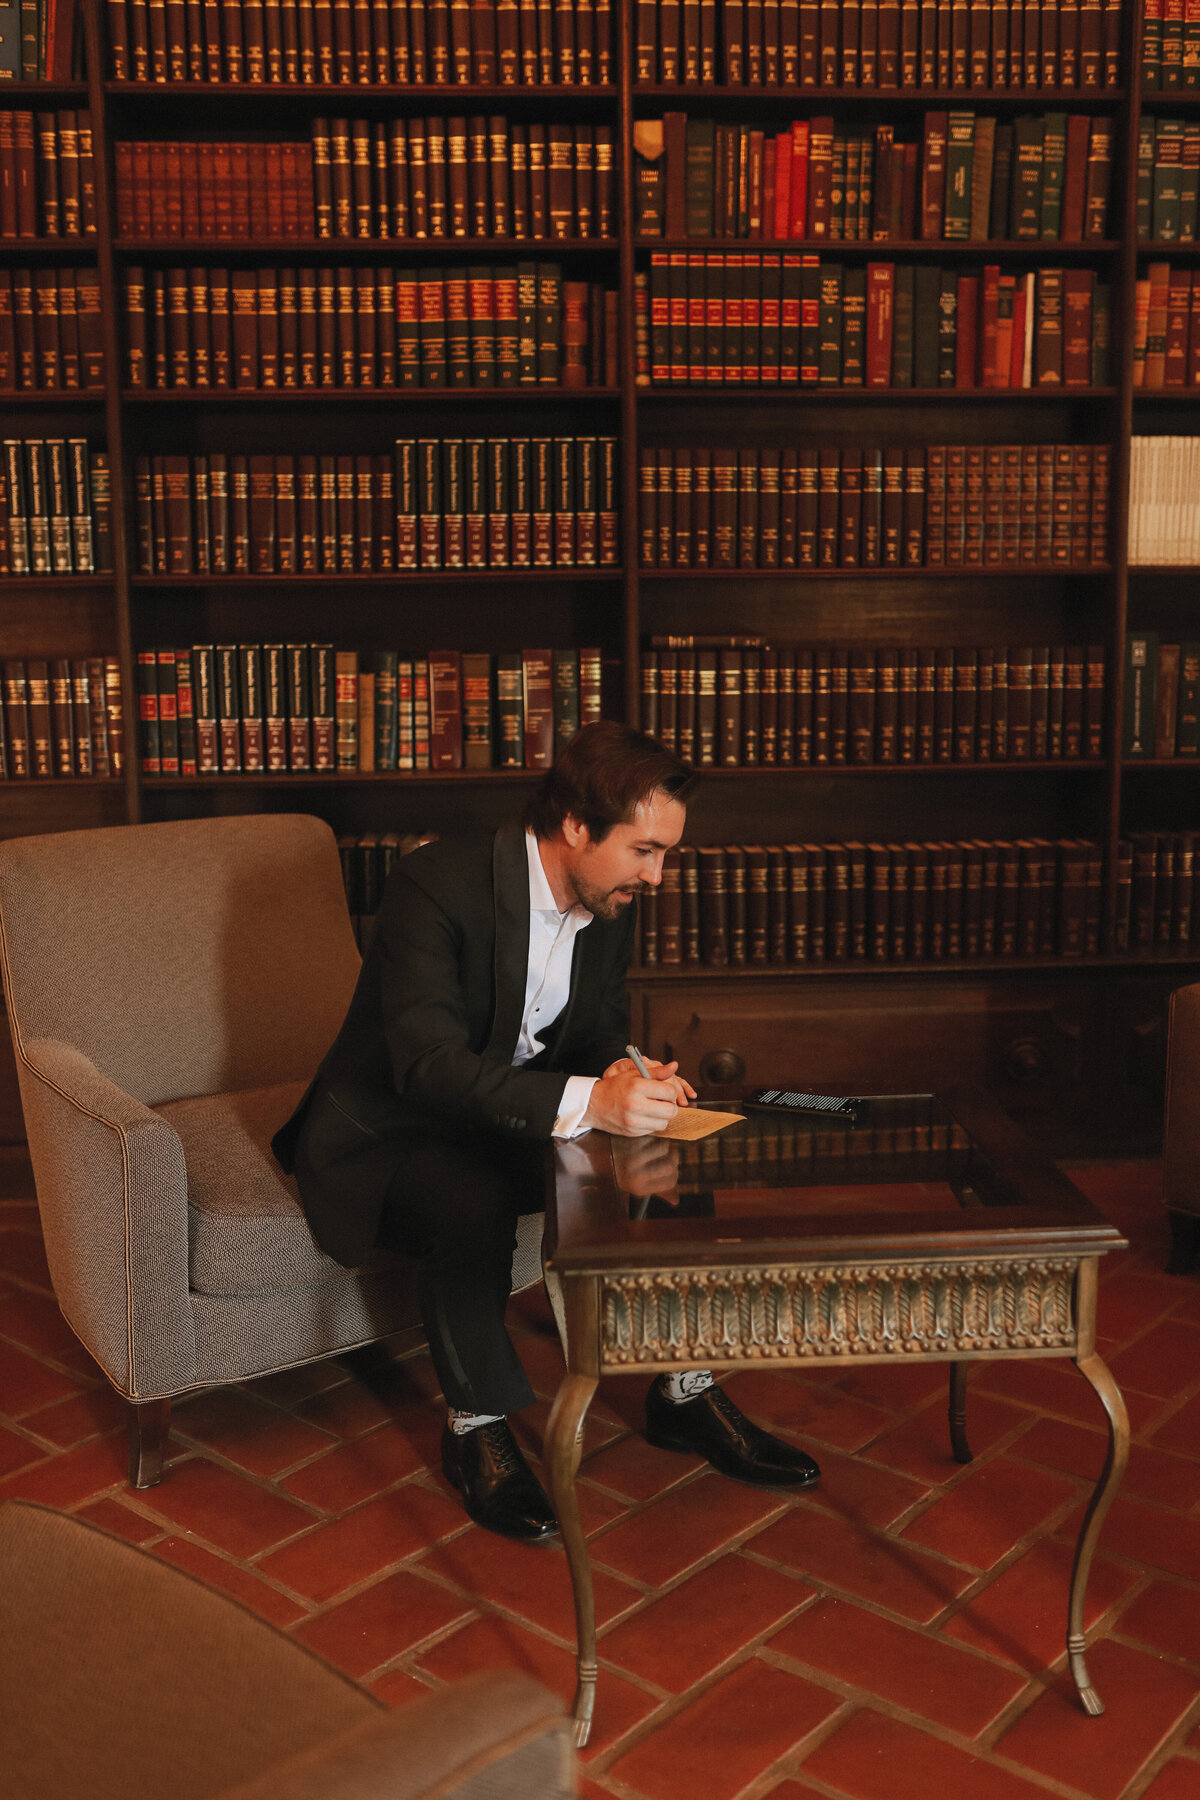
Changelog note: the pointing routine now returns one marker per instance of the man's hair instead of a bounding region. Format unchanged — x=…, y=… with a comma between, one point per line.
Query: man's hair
x=602, y=775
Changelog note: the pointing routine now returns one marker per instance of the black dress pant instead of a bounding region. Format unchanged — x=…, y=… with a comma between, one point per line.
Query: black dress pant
x=455, y=1206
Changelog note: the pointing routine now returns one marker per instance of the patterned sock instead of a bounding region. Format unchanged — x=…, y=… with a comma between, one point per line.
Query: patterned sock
x=462, y=1422
x=686, y=1386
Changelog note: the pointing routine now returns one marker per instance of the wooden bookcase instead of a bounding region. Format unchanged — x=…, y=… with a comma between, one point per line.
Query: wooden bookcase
x=1073, y=1047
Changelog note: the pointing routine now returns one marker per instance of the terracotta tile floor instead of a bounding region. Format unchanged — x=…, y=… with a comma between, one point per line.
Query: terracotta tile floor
x=879, y=1637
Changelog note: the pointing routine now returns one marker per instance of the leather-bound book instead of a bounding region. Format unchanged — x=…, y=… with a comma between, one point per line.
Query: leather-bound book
x=436, y=178
x=478, y=742
x=849, y=545
x=862, y=709
x=445, y=708
x=537, y=694
x=437, y=42
x=452, y=492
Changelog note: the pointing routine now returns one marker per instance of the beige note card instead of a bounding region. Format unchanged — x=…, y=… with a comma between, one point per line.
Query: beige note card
x=692, y=1122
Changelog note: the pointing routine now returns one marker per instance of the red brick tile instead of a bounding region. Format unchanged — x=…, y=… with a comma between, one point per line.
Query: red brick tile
x=632, y=1467
x=351, y=1409
x=1165, y=1617
x=381, y=1622
x=288, y=1387
x=217, y=1572
x=230, y=1511
x=1163, y=1362
x=337, y=1555
x=997, y=1505
x=920, y=1446
x=120, y=1521
x=22, y=1255
x=911, y=1668
x=1181, y=1431
x=833, y=1553
x=897, y=1387
x=355, y=1471
x=1151, y=1474
x=396, y=1688
x=1149, y=1535
x=728, y=1737
x=529, y=1427
x=1193, y=1742
x=863, y=1492
x=671, y=1534
x=1022, y=1614
x=1179, y=1780
x=873, y=1758
x=528, y=1579
x=72, y=1475
x=27, y=1383
x=17, y=1452
x=83, y=1416
x=808, y=1409
x=34, y=1320
x=1144, y=1697
x=1055, y=1386
x=676, y=1640
x=494, y=1643
x=1128, y=1301
x=256, y=1437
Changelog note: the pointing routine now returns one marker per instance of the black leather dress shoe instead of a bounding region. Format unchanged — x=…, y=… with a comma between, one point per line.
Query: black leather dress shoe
x=500, y=1491
x=713, y=1426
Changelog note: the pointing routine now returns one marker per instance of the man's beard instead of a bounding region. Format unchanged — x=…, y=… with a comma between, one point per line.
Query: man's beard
x=605, y=903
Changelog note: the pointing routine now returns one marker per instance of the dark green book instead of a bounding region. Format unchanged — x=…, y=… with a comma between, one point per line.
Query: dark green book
x=1140, y=699
x=1187, y=721
x=482, y=311
x=150, y=741
x=504, y=293
x=1152, y=25
x=960, y=151
x=408, y=345
x=649, y=178
x=527, y=323
x=458, y=330
x=1189, y=183
x=829, y=328
x=1101, y=371
x=478, y=742
x=566, y=696
x=1168, y=173
x=1002, y=158
x=510, y=711
x=810, y=319
x=947, y=327
x=387, y=736
x=927, y=291
x=699, y=176
x=549, y=322
x=1028, y=136
x=1145, y=176
x=837, y=187
x=1054, y=158
x=903, y=300
x=432, y=328
x=854, y=326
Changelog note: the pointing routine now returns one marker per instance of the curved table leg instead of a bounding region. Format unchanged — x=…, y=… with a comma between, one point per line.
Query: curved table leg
x=1094, y=1370
x=958, y=1413
x=564, y=1443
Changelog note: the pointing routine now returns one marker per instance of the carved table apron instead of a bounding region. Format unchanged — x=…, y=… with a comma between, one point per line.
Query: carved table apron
x=630, y=1304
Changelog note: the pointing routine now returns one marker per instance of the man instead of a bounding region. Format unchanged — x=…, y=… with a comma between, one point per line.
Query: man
x=490, y=1017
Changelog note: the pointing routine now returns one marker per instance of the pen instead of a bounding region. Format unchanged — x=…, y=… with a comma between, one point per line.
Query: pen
x=636, y=1058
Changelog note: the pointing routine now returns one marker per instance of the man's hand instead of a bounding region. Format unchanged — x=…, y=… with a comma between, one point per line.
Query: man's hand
x=628, y=1106
x=684, y=1091
x=646, y=1166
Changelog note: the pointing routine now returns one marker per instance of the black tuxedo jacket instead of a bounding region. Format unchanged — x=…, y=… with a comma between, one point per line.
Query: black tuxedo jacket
x=428, y=1042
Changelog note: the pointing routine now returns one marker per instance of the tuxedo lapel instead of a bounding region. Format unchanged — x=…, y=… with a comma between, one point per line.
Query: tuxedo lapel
x=510, y=891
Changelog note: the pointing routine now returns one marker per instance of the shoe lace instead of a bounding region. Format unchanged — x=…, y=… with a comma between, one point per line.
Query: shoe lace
x=502, y=1445
x=728, y=1407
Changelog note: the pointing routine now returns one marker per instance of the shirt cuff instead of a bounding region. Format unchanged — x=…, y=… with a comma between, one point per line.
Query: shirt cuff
x=576, y=1098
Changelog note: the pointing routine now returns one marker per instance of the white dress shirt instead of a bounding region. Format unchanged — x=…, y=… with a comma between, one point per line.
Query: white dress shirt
x=552, y=937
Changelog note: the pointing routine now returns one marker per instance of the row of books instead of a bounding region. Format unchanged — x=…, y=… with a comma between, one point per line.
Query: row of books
x=1168, y=172
x=51, y=334
x=435, y=503
x=47, y=174
x=1166, y=328
x=849, y=508
x=703, y=316
x=1164, y=500
x=725, y=905
x=360, y=178
x=784, y=705
x=967, y=178
x=367, y=864
x=1161, y=697
x=881, y=43
x=1163, y=905
x=483, y=327
x=55, y=508
x=61, y=716
x=230, y=709
x=46, y=45
x=384, y=42
x=1170, y=45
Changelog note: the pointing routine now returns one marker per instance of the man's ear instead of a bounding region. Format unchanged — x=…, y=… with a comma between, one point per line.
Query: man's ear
x=575, y=833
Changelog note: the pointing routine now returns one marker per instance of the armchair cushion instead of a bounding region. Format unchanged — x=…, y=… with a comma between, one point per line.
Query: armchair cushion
x=247, y=1233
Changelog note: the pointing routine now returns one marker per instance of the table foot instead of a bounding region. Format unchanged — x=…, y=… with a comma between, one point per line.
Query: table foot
x=564, y=1444
x=1094, y=1370
x=958, y=1414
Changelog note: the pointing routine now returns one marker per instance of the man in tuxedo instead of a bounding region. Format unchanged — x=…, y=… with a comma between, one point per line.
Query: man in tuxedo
x=490, y=1017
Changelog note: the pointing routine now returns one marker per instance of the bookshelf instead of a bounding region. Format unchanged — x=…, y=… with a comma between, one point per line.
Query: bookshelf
x=1074, y=1045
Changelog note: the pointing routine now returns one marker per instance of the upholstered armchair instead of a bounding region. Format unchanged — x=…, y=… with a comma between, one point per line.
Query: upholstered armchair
x=171, y=989
x=1181, y=1136
x=124, y=1678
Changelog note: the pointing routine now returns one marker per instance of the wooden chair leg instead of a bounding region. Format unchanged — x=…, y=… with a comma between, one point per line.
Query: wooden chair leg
x=149, y=1421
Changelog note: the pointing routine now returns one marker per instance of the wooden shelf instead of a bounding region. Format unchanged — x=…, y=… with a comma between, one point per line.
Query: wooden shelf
x=1184, y=764
x=1169, y=956
x=400, y=578
x=1164, y=568
x=55, y=397
x=1160, y=247
x=426, y=92
x=107, y=783
x=21, y=249
x=41, y=91
x=812, y=98
x=783, y=392
x=882, y=250
x=949, y=571
x=1060, y=765
x=340, y=248
x=523, y=394
x=10, y=582
x=346, y=778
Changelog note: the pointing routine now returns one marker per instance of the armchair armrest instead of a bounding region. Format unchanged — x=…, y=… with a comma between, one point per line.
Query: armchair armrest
x=112, y=1192
x=1181, y=1137
x=498, y=1734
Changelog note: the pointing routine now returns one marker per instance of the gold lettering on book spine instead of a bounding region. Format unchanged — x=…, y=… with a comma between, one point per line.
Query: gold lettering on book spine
x=733, y=1314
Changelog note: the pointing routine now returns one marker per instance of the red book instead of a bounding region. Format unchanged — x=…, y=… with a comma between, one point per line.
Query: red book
x=880, y=316
x=537, y=687
x=445, y=710
x=798, y=213
x=989, y=326
x=1016, y=368
x=1077, y=327
x=783, y=185
x=965, y=349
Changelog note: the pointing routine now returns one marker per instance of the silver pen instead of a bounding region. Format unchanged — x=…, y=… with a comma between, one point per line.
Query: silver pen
x=639, y=1062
